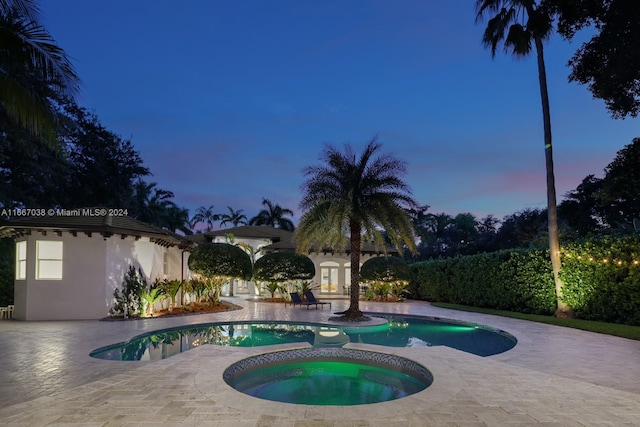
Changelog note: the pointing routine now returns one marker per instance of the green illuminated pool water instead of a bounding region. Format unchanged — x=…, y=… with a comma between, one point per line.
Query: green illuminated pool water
x=327, y=383
x=399, y=331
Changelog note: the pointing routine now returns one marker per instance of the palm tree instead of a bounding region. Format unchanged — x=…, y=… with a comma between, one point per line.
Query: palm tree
x=364, y=198
x=177, y=219
x=520, y=25
x=151, y=204
x=233, y=217
x=273, y=216
x=206, y=216
x=29, y=59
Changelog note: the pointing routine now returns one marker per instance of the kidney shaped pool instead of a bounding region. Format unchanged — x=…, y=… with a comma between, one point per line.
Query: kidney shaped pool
x=399, y=331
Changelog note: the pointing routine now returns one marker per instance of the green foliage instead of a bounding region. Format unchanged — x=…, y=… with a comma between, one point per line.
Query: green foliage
x=387, y=276
x=386, y=269
x=379, y=291
x=620, y=187
x=212, y=260
x=273, y=215
x=197, y=288
x=608, y=63
x=151, y=296
x=518, y=280
x=129, y=299
x=274, y=287
x=32, y=68
x=602, y=279
x=283, y=266
x=7, y=270
x=363, y=197
x=170, y=289
x=303, y=286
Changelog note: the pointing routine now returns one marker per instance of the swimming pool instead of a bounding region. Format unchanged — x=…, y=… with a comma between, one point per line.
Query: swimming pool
x=399, y=331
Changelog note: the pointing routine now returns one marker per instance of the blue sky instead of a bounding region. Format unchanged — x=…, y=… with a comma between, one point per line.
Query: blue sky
x=227, y=101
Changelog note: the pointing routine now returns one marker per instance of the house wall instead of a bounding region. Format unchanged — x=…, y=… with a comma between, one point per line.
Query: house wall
x=343, y=261
x=145, y=256
x=92, y=268
x=78, y=295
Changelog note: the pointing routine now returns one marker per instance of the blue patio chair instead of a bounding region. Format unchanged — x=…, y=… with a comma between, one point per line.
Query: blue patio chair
x=296, y=300
x=311, y=298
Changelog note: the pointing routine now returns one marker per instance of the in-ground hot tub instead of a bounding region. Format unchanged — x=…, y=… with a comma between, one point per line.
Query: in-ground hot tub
x=328, y=376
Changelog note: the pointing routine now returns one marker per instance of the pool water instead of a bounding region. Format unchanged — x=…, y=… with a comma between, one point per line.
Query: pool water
x=327, y=376
x=399, y=331
x=327, y=383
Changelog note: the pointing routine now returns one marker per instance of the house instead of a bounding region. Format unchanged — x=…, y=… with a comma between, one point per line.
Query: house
x=333, y=268
x=68, y=265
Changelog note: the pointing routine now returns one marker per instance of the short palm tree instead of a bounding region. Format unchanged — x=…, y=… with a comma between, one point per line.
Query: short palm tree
x=274, y=216
x=29, y=61
x=520, y=25
x=350, y=200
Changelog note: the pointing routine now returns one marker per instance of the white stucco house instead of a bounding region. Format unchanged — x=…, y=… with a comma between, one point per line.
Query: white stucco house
x=333, y=268
x=67, y=267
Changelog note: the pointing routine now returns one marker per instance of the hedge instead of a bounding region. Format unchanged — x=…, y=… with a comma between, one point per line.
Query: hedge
x=601, y=280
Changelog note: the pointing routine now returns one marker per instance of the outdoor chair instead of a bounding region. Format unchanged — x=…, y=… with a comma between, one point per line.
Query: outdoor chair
x=296, y=300
x=311, y=298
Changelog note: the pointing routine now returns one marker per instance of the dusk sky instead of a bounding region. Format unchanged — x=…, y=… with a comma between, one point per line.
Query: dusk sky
x=227, y=101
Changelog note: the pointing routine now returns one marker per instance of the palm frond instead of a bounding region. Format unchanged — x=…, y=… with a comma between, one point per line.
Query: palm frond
x=26, y=8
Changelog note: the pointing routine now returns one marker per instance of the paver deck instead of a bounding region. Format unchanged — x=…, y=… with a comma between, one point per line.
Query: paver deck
x=554, y=376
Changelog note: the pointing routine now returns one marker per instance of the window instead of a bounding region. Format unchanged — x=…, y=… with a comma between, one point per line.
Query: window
x=21, y=260
x=165, y=263
x=329, y=277
x=48, y=260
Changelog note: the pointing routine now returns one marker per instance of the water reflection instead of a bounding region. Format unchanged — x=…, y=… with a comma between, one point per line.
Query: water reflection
x=397, y=332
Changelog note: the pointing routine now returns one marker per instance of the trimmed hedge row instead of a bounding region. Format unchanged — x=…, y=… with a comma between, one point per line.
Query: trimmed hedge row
x=517, y=280
x=601, y=280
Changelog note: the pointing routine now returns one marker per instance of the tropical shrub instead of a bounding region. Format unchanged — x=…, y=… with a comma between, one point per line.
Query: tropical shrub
x=128, y=300
x=196, y=288
x=273, y=287
x=387, y=276
x=150, y=296
x=283, y=266
x=7, y=270
x=281, y=270
x=171, y=289
x=216, y=263
x=302, y=286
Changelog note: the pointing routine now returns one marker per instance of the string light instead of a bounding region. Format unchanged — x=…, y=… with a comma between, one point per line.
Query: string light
x=618, y=262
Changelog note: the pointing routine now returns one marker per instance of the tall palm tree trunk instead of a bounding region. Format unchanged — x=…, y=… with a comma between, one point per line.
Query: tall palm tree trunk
x=562, y=309
x=355, y=230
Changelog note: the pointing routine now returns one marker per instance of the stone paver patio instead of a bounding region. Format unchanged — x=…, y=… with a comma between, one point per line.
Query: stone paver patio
x=555, y=376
